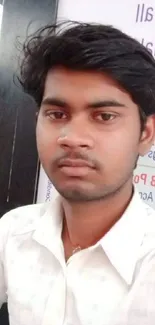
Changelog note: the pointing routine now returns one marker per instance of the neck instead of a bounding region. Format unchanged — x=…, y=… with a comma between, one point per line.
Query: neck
x=88, y=222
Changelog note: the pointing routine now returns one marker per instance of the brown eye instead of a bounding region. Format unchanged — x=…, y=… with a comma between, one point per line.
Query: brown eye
x=56, y=115
x=105, y=116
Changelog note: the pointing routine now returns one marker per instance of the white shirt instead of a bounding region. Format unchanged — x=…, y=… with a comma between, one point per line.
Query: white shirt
x=111, y=283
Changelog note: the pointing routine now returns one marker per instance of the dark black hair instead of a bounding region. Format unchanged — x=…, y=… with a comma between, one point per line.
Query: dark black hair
x=90, y=47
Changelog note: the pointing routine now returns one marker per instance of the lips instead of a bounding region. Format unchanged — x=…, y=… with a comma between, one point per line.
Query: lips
x=74, y=163
x=75, y=167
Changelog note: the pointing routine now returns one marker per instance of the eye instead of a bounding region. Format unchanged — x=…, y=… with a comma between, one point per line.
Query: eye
x=105, y=116
x=56, y=115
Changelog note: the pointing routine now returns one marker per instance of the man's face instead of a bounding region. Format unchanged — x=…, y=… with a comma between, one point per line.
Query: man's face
x=88, y=134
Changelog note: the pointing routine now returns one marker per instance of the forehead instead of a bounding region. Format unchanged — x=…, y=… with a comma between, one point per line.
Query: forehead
x=68, y=84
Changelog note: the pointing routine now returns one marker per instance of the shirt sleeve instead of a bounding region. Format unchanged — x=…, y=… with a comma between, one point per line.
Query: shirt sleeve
x=5, y=222
x=3, y=297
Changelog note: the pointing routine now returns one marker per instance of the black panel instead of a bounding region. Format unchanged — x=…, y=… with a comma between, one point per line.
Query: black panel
x=18, y=155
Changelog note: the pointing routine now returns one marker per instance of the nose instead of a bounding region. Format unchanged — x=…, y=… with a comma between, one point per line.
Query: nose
x=73, y=138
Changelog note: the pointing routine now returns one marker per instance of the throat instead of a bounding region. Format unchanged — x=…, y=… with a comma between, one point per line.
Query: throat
x=84, y=226
x=69, y=247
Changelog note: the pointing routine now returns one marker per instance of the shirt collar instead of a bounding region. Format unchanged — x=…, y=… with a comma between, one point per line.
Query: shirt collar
x=122, y=243
x=48, y=230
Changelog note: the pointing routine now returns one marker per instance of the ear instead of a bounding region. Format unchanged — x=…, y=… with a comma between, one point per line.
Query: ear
x=147, y=136
x=37, y=113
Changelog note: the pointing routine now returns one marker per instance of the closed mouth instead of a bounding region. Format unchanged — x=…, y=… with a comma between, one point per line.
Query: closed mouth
x=74, y=163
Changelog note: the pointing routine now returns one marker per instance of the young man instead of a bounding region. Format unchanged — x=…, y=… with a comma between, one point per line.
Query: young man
x=89, y=256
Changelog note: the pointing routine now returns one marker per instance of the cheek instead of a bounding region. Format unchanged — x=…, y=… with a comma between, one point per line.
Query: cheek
x=119, y=147
x=46, y=141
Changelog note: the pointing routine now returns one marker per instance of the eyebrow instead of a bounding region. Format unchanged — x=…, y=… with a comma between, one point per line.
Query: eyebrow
x=54, y=101
x=106, y=103
x=97, y=104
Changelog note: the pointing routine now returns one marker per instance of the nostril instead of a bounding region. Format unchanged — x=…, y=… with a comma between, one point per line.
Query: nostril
x=74, y=141
x=83, y=146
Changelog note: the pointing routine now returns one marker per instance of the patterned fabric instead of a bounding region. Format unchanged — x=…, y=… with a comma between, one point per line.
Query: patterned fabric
x=110, y=283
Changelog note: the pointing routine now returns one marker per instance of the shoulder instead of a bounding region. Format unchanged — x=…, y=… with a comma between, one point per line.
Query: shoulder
x=148, y=242
x=23, y=221
x=21, y=217
x=150, y=218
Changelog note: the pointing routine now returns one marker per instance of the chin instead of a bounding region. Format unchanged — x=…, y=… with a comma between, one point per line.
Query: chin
x=76, y=195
